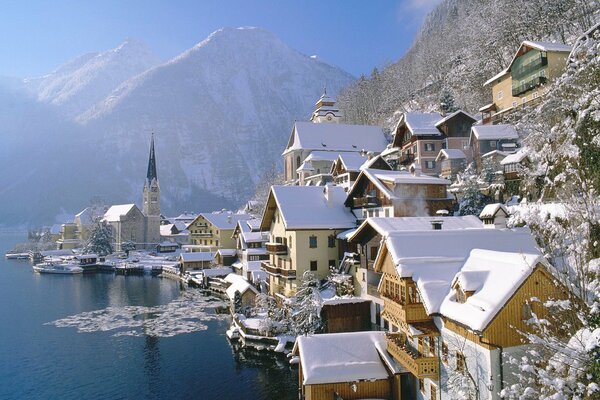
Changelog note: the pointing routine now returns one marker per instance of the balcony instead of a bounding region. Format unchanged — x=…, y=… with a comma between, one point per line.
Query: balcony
x=419, y=364
x=366, y=201
x=273, y=270
x=406, y=158
x=276, y=248
x=528, y=85
x=407, y=314
x=525, y=69
x=203, y=235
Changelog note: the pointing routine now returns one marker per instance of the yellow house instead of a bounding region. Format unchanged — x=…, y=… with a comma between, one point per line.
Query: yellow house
x=303, y=222
x=454, y=303
x=69, y=237
x=213, y=231
x=533, y=65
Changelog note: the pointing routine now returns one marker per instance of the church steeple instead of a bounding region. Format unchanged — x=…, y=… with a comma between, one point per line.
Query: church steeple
x=151, y=163
x=326, y=110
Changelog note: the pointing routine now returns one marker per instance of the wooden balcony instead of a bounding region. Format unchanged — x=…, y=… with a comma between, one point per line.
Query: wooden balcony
x=367, y=201
x=203, y=235
x=273, y=270
x=406, y=159
x=420, y=365
x=276, y=248
x=406, y=314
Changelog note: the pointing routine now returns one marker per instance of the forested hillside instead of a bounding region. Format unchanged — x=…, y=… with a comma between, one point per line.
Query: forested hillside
x=462, y=44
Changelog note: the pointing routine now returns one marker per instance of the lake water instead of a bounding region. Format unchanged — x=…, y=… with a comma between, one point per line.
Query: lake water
x=101, y=336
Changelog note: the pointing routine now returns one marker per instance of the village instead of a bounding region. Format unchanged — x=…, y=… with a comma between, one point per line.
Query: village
x=370, y=265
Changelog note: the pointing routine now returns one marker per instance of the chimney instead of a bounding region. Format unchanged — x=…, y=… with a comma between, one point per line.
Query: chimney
x=327, y=193
x=228, y=218
x=415, y=169
x=442, y=213
x=370, y=155
x=436, y=225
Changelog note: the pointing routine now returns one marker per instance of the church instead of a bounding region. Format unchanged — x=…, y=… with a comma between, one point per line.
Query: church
x=129, y=223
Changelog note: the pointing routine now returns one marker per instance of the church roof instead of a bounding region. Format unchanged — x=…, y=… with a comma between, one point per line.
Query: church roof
x=114, y=213
x=151, y=163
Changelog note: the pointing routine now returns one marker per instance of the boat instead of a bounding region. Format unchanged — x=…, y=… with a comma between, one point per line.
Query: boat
x=57, y=268
x=17, y=256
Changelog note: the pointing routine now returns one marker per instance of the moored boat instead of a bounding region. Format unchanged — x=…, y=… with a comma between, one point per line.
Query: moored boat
x=57, y=268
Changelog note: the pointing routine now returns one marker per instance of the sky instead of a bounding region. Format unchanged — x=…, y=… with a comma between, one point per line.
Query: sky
x=37, y=37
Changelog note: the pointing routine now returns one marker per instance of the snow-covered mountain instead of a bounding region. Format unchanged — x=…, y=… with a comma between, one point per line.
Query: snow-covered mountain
x=221, y=113
x=87, y=79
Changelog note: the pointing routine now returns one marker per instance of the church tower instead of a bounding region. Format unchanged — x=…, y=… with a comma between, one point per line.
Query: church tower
x=326, y=110
x=151, y=206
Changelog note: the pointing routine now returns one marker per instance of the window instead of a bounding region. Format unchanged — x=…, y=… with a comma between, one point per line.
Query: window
x=387, y=212
x=415, y=150
x=430, y=164
x=493, y=144
x=363, y=277
x=444, y=353
x=331, y=263
x=422, y=385
x=429, y=146
x=313, y=265
x=312, y=242
x=216, y=242
x=514, y=103
x=331, y=241
x=253, y=258
x=500, y=95
x=290, y=242
x=297, y=162
x=460, y=362
x=465, y=144
x=524, y=100
x=535, y=95
x=373, y=253
x=432, y=392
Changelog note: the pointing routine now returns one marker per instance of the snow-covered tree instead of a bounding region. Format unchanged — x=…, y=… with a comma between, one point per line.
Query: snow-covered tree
x=307, y=304
x=468, y=189
x=100, y=240
x=447, y=104
x=237, y=302
x=343, y=283
x=127, y=247
x=564, y=149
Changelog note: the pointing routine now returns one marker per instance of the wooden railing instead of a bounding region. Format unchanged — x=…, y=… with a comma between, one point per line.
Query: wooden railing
x=276, y=248
x=273, y=270
x=406, y=313
x=420, y=365
x=367, y=201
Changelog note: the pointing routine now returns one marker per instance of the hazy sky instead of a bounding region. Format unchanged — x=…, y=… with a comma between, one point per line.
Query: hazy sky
x=38, y=36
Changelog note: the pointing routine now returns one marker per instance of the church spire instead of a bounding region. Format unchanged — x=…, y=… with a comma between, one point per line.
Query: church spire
x=152, y=162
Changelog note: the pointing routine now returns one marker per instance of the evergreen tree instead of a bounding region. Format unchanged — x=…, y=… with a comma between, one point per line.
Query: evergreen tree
x=468, y=188
x=127, y=247
x=447, y=104
x=100, y=240
x=307, y=303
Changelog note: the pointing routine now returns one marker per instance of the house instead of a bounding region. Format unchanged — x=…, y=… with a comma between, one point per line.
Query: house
x=328, y=139
x=213, y=231
x=85, y=220
x=457, y=307
x=303, y=222
x=346, y=168
x=225, y=257
x=167, y=247
x=69, y=237
x=354, y=365
x=451, y=162
x=487, y=138
x=512, y=166
x=368, y=238
x=523, y=81
x=127, y=223
x=176, y=232
x=195, y=260
x=494, y=216
x=250, y=246
x=380, y=193
x=419, y=137
x=246, y=291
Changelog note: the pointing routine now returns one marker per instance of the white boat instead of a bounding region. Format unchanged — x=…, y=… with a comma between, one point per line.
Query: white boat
x=57, y=268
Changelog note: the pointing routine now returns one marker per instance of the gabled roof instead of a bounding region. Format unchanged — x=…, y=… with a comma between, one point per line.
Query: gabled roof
x=493, y=132
x=452, y=115
x=384, y=226
x=514, y=158
x=335, y=137
x=352, y=161
x=344, y=357
x=308, y=207
x=419, y=123
x=224, y=219
x=433, y=258
x=542, y=46
x=451, y=154
x=115, y=213
x=491, y=210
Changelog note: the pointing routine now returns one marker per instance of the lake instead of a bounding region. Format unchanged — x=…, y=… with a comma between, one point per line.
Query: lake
x=101, y=336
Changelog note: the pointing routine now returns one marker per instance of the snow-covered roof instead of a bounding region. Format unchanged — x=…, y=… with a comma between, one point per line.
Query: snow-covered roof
x=494, y=132
x=311, y=207
x=335, y=137
x=514, y=158
x=432, y=258
x=319, y=155
x=84, y=256
x=224, y=219
x=422, y=123
x=305, y=166
x=238, y=284
x=352, y=161
x=494, y=277
x=114, y=213
x=227, y=252
x=491, y=210
x=89, y=214
x=219, y=271
x=452, y=115
x=166, y=243
x=451, y=154
x=197, y=256
x=549, y=46
x=386, y=225
x=492, y=79
x=344, y=357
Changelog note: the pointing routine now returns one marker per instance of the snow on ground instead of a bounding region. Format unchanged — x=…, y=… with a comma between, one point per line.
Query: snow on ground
x=186, y=314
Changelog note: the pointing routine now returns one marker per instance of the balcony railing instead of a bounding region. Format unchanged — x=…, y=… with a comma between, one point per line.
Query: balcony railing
x=203, y=235
x=273, y=270
x=366, y=201
x=420, y=365
x=528, y=68
x=528, y=85
x=276, y=248
x=406, y=158
x=404, y=313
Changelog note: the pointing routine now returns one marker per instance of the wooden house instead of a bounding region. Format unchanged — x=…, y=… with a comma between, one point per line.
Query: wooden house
x=213, y=231
x=195, y=260
x=347, y=167
x=346, y=366
x=486, y=139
